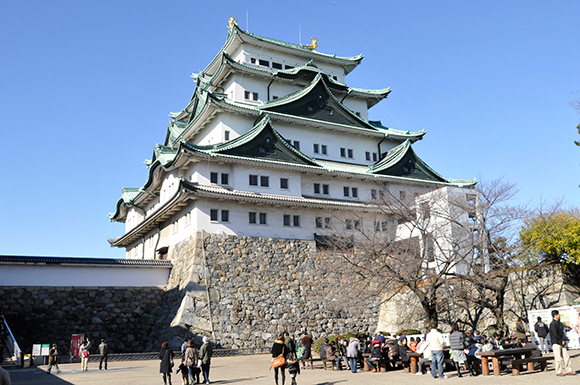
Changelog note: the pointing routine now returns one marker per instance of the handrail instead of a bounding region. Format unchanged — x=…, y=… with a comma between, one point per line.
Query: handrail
x=12, y=345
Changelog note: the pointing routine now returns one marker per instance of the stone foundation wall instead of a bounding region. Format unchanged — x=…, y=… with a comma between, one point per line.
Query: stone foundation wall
x=259, y=287
x=127, y=317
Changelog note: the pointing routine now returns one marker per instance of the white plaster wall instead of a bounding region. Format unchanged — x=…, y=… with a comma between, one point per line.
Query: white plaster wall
x=58, y=275
x=333, y=140
x=357, y=105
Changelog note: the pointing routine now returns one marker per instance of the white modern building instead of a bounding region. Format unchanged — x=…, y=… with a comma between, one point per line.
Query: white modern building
x=273, y=143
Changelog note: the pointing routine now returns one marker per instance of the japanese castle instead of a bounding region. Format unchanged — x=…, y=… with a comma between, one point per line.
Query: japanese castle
x=274, y=144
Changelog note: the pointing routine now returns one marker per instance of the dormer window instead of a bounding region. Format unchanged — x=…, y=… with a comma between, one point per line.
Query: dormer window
x=329, y=111
x=277, y=66
x=264, y=63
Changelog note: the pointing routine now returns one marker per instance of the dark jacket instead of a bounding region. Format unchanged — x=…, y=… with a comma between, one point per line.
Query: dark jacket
x=557, y=334
x=541, y=328
x=279, y=348
x=166, y=357
x=376, y=353
x=322, y=351
x=457, y=340
x=403, y=349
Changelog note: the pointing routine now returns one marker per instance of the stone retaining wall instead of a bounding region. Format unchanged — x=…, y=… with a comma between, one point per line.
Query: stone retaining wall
x=128, y=317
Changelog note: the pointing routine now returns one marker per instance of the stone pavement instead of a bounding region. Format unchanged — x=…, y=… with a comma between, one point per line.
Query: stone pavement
x=254, y=370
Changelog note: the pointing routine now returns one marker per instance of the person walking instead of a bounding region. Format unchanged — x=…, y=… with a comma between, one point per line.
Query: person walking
x=191, y=358
x=84, y=353
x=53, y=359
x=435, y=340
x=352, y=353
x=541, y=330
x=205, y=353
x=166, y=357
x=558, y=338
x=104, y=350
x=279, y=348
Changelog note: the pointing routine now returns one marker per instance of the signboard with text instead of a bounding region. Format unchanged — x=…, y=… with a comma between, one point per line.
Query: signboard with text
x=568, y=316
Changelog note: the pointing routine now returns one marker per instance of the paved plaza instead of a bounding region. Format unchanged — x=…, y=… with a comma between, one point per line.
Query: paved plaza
x=254, y=370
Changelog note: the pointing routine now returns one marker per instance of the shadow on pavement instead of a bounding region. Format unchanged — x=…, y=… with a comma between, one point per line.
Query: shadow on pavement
x=34, y=376
x=236, y=380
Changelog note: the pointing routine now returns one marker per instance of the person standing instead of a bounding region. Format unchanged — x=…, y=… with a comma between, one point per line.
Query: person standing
x=53, y=359
x=435, y=341
x=104, y=350
x=290, y=344
x=279, y=348
x=457, y=345
x=84, y=353
x=166, y=357
x=205, y=353
x=541, y=330
x=558, y=337
x=352, y=352
x=191, y=358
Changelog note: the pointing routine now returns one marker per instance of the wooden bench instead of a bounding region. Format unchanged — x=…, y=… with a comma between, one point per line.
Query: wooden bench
x=517, y=364
x=331, y=362
x=310, y=360
x=448, y=363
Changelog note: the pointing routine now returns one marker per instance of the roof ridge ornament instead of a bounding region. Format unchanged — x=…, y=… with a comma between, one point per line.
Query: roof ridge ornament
x=314, y=44
x=232, y=22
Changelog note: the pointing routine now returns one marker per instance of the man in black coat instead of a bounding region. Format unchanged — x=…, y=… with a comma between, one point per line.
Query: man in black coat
x=558, y=337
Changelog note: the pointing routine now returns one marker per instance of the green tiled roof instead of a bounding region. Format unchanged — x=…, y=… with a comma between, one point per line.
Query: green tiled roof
x=400, y=133
x=237, y=29
x=261, y=142
x=128, y=194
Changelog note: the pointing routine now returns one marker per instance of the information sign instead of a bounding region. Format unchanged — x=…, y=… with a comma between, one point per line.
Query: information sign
x=36, y=349
x=45, y=348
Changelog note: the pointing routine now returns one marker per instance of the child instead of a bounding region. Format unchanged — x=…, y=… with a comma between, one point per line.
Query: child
x=196, y=371
x=293, y=368
x=184, y=373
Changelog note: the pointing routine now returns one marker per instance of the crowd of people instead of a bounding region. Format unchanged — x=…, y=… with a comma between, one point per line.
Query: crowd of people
x=462, y=347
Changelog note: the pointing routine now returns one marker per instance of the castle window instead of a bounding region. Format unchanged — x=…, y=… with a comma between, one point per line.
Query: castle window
x=225, y=179
x=357, y=114
x=354, y=191
x=253, y=180
x=367, y=155
x=350, y=152
x=346, y=191
x=225, y=215
x=213, y=177
x=373, y=194
x=213, y=214
x=253, y=60
x=356, y=224
x=264, y=181
x=315, y=148
x=316, y=188
x=329, y=111
x=263, y=218
x=327, y=223
x=277, y=66
x=286, y=220
x=252, y=218
x=297, y=144
x=264, y=63
x=323, y=149
x=343, y=152
x=325, y=189
x=296, y=220
x=375, y=156
x=318, y=222
x=335, y=77
x=226, y=135
x=284, y=183
x=348, y=224
x=402, y=195
x=247, y=95
x=255, y=96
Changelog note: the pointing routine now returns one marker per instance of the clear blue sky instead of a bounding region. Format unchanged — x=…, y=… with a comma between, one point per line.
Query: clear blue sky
x=86, y=88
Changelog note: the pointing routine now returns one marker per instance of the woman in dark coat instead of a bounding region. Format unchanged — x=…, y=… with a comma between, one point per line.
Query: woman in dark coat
x=280, y=348
x=166, y=357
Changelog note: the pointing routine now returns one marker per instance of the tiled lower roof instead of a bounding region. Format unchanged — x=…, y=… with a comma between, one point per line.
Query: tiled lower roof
x=17, y=259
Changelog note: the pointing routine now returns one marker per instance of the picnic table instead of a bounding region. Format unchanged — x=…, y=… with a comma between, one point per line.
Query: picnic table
x=415, y=357
x=515, y=354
